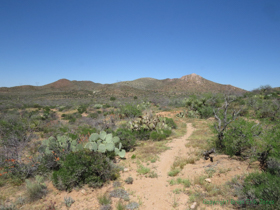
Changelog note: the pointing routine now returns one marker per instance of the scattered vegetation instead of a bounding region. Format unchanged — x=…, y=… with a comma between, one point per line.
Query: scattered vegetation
x=84, y=138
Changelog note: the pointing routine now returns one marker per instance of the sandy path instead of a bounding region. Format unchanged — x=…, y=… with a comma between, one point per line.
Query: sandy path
x=156, y=193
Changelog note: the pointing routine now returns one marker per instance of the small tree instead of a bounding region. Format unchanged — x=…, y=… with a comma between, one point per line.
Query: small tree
x=224, y=119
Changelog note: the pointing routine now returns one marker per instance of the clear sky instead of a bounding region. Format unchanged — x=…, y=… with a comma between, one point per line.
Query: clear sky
x=233, y=42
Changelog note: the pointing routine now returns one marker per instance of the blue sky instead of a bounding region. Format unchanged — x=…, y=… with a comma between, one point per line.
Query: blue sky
x=233, y=42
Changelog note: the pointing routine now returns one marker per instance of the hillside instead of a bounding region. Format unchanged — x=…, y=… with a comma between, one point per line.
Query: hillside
x=186, y=84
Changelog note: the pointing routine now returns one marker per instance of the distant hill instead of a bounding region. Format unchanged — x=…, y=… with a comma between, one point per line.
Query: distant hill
x=189, y=83
x=192, y=83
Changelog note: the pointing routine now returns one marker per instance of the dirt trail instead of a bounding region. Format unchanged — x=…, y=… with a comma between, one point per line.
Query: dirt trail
x=156, y=193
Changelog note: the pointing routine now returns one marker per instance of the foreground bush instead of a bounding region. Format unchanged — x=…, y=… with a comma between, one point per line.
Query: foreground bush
x=261, y=191
x=240, y=137
x=142, y=134
x=170, y=122
x=160, y=134
x=127, y=138
x=36, y=190
x=130, y=110
x=84, y=167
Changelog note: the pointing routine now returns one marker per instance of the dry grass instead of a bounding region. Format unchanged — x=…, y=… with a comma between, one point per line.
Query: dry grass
x=181, y=162
x=181, y=128
x=214, y=192
x=200, y=137
x=149, y=150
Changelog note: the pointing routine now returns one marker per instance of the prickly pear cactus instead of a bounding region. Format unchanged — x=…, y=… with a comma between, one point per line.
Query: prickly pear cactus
x=60, y=143
x=104, y=142
x=181, y=114
x=148, y=122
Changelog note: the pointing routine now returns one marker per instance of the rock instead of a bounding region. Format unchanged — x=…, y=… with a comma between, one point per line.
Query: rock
x=238, y=167
x=125, y=169
x=193, y=205
x=208, y=180
x=83, y=192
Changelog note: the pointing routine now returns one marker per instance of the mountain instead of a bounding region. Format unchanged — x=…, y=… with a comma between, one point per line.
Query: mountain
x=191, y=83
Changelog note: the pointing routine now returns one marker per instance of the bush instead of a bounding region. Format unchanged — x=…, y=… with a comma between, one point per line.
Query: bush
x=120, y=193
x=112, y=98
x=129, y=180
x=206, y=112
x=160, y=134
x=127, y=138
x=93, y=115
x=68, y=201
x=130, y=110
x=273, y=166
x=82, y=109
x=36, y=190
x=262, y=190
x=170, y=122
x=106, y=106
x=86, y=130
x=132, y=205
x=240, y=137
x=98, y=106
x=84, y=167
x=142, y=134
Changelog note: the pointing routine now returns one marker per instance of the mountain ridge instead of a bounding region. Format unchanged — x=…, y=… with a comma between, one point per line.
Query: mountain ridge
x=185, y=84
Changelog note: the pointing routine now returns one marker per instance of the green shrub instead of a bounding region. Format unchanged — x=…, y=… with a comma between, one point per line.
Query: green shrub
x=98, y=106
x=104, y=199
x=160, y=134
x=129, y=180
x=273, y=166
x=143, y=170
x=120, y=193
x=64, y=128
x=135, y=97
x=71, y=117
x=262, y=190
x=86, y=130
x=84, y=167
x=37, y=106
x=47, y=109
x=68, y=201
x=132, y=205
x=174, y=172
x=61, y=108
x=77, y=115
x=240, y=137
x=112, y=98
x=36, y=190
x=206, y=112
x=83, y=108
x=170, y=122
x=93, y=115
x=127, y=138
x=130, y=110
x=142, y=134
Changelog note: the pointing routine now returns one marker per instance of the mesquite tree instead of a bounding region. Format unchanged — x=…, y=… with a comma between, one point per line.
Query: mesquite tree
x=224, y=119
